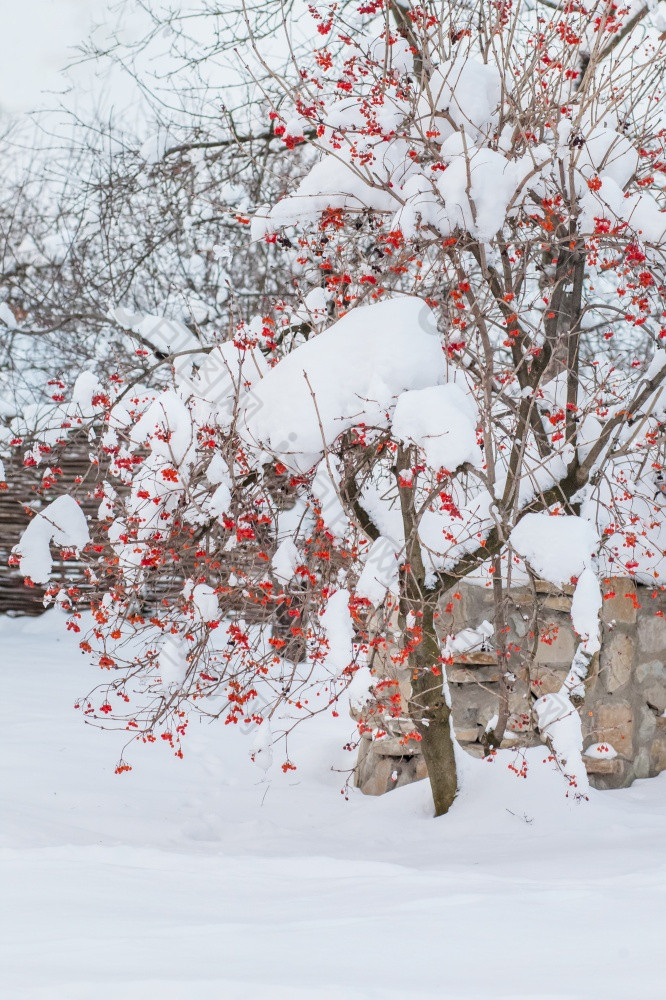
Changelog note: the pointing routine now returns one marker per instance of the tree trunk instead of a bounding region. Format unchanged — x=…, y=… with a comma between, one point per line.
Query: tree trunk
x=438, y=750
x=432, y=719
x=428, y=709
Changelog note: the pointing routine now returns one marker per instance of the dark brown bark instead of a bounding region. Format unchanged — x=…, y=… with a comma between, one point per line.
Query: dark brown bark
x=428, y=708
x=432, y=719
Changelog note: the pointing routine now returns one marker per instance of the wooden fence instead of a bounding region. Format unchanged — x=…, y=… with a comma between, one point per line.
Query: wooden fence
x=21, y=493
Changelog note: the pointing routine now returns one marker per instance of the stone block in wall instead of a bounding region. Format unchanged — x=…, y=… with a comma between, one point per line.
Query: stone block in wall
x=520, y=719
x=472, y=707
x=655, y=695
x=376, y=774
x=613, y=722
x=543, y=587
x=606, y=774
x=604, y=765
x=557, y=602
x=381, y=663
x=373, y=776
x=621, y=607
x=519, y=596
x=519, y=723
x=658, y=754
x=405, y=686
x=592, y=673
x=562, y=646
x=395, y=746
x=519, y=623
x=520, y=668
x=646, y=725
x=651, y=670
x=420, y=769
x=519, y=698
x=546, y=680
x=641, y=763
x=652, y=635
x=464, y=714
x=458, y=674
x=465, y=610
x=616, y=660
x=479, y=657
x=476, y=603
x=467, y=736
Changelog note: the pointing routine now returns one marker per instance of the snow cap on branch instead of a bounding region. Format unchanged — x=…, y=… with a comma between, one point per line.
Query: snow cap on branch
x=556, y=547
x=62, y=522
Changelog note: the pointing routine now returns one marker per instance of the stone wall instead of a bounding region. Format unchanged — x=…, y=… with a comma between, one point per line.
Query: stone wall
x=625, y=697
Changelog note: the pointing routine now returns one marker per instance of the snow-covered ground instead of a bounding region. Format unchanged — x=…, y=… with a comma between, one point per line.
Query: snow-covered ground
x=193, y=880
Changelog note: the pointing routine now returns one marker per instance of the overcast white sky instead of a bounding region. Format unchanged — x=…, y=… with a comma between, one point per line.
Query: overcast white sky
x=37, y=38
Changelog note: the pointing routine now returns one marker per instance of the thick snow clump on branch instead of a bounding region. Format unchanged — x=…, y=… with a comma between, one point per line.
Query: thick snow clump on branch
x=62, y=522
x=349, y=375
x=557, y=548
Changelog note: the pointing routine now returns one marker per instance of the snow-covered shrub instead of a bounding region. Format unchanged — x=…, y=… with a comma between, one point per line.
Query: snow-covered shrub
x=472, y=385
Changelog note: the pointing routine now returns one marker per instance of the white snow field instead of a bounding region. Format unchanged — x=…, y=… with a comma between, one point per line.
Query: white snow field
x=193, y=880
